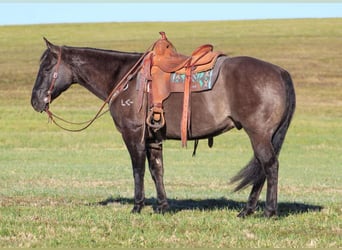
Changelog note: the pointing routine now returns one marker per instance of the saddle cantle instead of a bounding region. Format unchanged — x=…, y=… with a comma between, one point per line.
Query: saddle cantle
x=154, y=78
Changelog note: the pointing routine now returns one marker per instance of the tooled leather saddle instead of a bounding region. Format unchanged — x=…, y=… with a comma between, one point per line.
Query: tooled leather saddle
x=154, y=78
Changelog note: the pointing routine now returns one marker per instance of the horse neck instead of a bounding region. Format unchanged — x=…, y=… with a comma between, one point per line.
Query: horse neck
x=100, y=70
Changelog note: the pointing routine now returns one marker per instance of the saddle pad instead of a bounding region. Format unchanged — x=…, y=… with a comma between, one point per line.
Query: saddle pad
x=200, y=81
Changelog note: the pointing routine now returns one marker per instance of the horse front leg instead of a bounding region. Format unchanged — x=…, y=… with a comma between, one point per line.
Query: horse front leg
x=155, y=161
x=137, y=153
x=138, y=175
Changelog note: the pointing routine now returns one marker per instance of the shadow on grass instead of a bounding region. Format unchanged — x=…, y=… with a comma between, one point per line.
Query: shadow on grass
x=176, y=205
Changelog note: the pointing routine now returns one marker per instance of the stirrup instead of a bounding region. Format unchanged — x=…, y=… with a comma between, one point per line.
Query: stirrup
x=155, y=118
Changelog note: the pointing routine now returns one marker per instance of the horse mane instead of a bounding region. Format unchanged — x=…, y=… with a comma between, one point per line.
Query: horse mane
x=103, y=51
x=90, y=50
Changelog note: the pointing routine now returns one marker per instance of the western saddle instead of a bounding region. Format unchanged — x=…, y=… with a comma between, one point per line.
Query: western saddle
x=156, y=70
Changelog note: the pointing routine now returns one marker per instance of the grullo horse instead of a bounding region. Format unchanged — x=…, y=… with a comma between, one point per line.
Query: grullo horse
x=249, y=94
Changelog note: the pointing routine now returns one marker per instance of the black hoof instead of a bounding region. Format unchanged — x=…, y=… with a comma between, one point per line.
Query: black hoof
x=162, y=208
x=246, y=212
x=137, y=209
x=270, y=213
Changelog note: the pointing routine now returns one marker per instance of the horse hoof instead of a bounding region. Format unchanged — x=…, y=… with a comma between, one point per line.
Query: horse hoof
x=245, y=212
x=270, y=213
x=163, y=208
x=137, y=209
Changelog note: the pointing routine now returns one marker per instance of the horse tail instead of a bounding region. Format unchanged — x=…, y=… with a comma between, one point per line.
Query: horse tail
x=279, y=135
x=253, y=172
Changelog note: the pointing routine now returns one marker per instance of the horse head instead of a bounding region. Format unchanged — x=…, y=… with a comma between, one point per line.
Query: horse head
x=54, y=77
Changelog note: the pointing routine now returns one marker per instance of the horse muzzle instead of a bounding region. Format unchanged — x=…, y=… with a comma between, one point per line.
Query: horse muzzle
x=39, y=102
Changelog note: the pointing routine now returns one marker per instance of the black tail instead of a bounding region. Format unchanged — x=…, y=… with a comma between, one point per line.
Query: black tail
x=253, y=173
x=279, y=135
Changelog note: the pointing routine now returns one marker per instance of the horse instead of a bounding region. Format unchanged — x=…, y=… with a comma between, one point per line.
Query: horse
x=248, y=94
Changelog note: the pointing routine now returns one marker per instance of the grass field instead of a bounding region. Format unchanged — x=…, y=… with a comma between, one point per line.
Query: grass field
x=59, y=189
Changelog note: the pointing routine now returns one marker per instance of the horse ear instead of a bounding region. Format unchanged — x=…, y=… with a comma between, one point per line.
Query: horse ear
x=53, y=48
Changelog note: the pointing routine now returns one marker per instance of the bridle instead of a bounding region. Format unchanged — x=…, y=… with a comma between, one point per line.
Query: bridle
x=54, y=76
x=120, y=87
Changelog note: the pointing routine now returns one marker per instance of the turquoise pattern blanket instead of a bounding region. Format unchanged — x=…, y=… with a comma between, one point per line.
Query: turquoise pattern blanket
x=199, y=81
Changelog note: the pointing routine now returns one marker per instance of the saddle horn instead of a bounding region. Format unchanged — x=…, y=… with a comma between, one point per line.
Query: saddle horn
x=162, y=33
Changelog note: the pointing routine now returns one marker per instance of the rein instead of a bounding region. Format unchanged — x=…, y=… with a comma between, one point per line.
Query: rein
x=120, y=87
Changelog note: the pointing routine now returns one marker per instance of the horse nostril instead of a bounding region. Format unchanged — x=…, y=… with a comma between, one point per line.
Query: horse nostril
x=36, y=100
x=35, y=104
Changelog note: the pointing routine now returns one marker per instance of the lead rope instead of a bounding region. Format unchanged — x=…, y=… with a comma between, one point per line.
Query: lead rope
x=111, y=97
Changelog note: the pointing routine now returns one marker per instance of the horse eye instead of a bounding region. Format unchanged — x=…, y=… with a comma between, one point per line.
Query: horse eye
x=167, y=46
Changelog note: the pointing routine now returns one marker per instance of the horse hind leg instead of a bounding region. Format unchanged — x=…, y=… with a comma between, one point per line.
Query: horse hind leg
x=265, y=154
x=251, y=174
x=264, y=166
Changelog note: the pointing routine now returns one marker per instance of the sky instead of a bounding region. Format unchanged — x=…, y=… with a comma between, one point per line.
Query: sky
x=18, y=13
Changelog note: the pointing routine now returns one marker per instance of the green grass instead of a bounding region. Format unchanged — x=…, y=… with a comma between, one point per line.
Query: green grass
x=59, y=189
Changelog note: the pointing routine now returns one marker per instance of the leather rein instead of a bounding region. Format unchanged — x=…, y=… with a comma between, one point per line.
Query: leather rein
x=120, y=87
